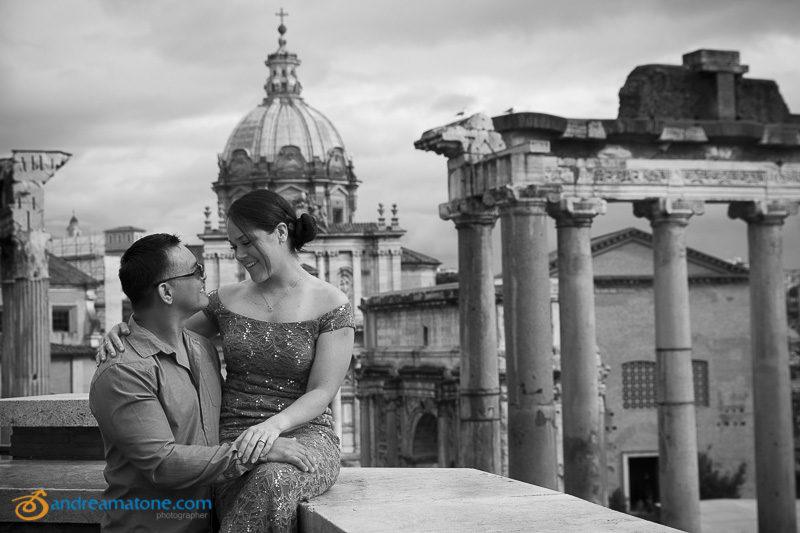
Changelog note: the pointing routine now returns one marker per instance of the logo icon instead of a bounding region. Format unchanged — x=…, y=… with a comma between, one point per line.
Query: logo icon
x=30, y=504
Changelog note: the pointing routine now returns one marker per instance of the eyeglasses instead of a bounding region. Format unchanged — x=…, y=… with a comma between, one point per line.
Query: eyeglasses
x=199, y=272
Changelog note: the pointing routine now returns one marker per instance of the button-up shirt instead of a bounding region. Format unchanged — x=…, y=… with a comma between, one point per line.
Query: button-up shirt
x=158, y=412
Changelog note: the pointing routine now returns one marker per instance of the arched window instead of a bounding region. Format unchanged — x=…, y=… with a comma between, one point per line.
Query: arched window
x=425, y=447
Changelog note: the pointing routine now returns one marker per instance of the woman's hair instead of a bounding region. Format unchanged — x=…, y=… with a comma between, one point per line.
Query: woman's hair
x=263, y=209
x=143, y=263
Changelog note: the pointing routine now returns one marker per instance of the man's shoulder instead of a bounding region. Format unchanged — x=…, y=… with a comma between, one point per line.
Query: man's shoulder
x=200, y=340
x=129, y=358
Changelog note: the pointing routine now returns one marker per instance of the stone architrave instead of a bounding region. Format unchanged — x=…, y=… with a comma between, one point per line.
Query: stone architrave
x=532, y=454
x=583, y=428
x=479, y=392
x=772, y=406
x=26, y=280
x=677, y=433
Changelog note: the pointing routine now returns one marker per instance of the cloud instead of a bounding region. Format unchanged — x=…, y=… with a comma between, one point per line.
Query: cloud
x=145, y=94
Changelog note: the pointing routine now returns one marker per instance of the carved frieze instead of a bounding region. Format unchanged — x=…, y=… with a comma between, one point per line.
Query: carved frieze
x=560, y=175
x=619, y=175
x=724, y=177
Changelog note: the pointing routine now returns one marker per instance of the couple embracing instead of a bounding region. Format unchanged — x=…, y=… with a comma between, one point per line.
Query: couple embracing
x=263, y=440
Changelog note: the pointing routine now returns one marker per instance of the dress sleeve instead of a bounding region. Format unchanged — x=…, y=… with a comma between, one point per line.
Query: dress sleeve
x=341, y=317
x=211, y=309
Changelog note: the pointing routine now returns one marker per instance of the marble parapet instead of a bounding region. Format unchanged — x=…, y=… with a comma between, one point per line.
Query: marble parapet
x=457, y=500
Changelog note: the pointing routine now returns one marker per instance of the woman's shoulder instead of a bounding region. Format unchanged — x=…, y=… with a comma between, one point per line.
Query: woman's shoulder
x=324, y=297
x=331, y=305
x=226, y=292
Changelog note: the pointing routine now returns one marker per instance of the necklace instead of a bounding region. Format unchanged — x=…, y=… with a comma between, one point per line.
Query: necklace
x=285, y=294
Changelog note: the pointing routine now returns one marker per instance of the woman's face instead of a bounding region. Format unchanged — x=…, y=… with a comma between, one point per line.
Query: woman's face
x=258, y=251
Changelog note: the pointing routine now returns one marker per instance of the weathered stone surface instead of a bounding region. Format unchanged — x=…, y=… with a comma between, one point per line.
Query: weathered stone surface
x=61, y=480
x=52, y=410
x=458, y=500
x=677, y=92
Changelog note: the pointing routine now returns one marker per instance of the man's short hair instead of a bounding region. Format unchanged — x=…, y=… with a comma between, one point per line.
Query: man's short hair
x=144, y=263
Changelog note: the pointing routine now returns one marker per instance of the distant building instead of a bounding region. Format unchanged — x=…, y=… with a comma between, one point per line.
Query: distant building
x=98, y=256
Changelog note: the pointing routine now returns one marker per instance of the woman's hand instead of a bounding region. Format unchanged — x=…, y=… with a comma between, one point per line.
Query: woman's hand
x=258, y=440
x=288, y=450
x=112, y=343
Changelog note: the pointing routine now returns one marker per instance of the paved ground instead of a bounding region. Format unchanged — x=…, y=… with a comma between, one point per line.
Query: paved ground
x=730, y=516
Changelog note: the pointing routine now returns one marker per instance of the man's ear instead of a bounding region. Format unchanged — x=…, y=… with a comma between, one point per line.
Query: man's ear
x=165, y=292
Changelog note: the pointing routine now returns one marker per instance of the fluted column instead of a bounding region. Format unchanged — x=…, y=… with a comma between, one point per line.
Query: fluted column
x=775, y=462
x=677, y=433
x=532, y=455
x=479, y=430
x=26, y=280
x=583, y=427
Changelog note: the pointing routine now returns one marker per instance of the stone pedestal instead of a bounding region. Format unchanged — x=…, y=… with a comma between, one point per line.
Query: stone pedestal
x=772, y=406
x=479, y=434
x=583, y=439
x=532, y=456
x=677, y=434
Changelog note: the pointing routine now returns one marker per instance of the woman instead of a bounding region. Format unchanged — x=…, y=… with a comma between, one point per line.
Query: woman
x=287, y=339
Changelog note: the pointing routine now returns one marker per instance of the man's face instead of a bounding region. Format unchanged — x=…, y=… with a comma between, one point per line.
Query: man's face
x=188, y=290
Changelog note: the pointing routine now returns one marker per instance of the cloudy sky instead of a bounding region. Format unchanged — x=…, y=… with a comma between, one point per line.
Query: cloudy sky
x=145, y=93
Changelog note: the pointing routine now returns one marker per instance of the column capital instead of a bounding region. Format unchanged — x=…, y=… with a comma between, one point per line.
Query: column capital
x=662, y=210
x=570, y=211
x=356, y=253
x=762, y=212
x=468, y=211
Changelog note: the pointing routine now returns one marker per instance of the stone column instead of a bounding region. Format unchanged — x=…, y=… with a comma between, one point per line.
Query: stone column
x=336, y=413
x=391, y=431
x=479, y=392
x=26, y=280
x=358, y=290
x=775, y=462
x=677, y=433
x=532, y=455
x=366, y=400
x=583, y=425
x=321, y=274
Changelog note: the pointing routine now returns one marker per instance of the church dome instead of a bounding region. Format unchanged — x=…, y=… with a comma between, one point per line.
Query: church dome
x=280, y=122
x=284, y=121
x=288, y=146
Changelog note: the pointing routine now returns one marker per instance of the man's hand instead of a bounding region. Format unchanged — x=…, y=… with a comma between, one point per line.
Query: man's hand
x=288, y=450
x=112, y=343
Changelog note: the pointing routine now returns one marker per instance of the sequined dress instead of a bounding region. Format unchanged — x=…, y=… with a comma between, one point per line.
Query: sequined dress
x=268, y=365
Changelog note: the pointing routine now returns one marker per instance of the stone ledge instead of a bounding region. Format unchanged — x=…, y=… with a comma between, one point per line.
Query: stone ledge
x=52, y=410
x=401, y=500
x=61, y=480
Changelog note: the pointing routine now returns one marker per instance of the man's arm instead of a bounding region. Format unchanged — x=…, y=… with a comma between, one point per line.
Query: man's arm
x=124, y=401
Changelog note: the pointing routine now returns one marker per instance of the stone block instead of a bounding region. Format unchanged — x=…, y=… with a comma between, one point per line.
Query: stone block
x=52, y=410
x=454, y=499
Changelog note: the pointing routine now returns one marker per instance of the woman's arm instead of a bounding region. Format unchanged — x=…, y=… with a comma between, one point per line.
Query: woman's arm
x=331, y=361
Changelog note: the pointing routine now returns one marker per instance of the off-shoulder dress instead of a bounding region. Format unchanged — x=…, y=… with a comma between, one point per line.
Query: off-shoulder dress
x=268, y=366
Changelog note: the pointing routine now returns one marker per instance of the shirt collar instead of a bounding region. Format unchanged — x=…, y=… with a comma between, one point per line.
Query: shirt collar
x=144, y=342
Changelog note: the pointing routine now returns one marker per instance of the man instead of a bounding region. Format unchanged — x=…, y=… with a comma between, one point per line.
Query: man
x=157, y=402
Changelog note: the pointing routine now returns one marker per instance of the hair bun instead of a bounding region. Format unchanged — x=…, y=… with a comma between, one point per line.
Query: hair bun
x=304, y=230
